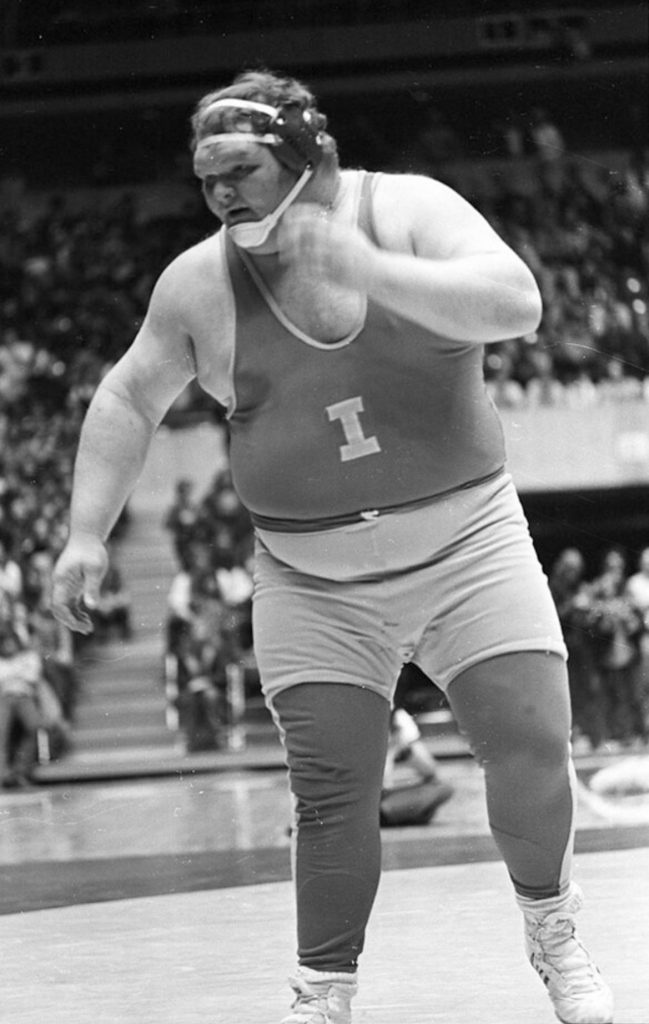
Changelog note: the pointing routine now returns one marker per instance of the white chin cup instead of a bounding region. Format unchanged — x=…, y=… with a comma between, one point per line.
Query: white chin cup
x=251, y=234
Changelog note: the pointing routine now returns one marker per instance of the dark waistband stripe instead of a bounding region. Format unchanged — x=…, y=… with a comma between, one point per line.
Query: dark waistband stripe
x=363, y=515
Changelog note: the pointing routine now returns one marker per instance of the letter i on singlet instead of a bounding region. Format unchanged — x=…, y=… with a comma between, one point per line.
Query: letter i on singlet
x=357, y=444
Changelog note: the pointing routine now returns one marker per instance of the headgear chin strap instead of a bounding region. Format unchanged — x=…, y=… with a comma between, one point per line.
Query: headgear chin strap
x=251, y=234
x=291, y=131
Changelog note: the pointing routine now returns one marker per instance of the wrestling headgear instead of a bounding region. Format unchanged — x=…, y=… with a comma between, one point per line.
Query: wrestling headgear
x=293, y=133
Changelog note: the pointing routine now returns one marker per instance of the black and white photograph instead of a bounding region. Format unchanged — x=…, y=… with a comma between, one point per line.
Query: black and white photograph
x=324, y=512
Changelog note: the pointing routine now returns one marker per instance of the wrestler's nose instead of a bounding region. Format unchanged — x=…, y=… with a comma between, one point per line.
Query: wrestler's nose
x=223, y=193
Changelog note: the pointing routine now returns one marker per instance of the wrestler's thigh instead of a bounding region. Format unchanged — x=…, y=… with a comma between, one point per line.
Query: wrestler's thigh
x=308, y=629
x=518, y=700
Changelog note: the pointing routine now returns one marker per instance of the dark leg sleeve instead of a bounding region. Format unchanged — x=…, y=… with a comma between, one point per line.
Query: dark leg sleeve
x=335, y=737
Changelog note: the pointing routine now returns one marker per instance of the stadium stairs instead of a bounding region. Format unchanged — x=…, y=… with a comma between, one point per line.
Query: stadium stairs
x=124, y=727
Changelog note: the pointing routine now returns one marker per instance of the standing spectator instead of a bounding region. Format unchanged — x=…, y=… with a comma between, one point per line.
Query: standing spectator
x=226, y=522
x=509, y=135
x=181, y=519
x=637, y=587
x=618, y=627
x=637, y=591
x=576, y=614
x=549, y=148
x=436, y=143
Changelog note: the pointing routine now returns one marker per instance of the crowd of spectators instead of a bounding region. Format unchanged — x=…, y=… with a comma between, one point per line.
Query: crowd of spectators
x=580, y=222
x=583, y=231
x=605, y=619
x=38, y=679
x=209, y=627
x=74, y=284
x=605, y=622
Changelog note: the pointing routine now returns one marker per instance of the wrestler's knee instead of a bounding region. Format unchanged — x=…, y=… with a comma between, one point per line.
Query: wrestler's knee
x=515, y=707
x=335, y=738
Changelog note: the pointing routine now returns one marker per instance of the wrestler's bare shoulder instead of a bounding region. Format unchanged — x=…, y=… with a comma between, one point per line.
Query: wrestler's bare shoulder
x=413, y=212
x=196, y=275
x=408, y=190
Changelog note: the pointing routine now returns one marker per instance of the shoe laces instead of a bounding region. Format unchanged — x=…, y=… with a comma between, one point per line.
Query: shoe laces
x=308, y=1010
x=315, y=1004
x=559, y=956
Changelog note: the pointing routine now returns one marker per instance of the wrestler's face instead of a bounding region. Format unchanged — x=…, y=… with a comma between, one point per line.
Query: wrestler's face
x=243, y=182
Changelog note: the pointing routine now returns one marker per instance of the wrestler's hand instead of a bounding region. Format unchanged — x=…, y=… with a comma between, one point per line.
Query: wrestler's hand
x=328, y=250
x=76, y=581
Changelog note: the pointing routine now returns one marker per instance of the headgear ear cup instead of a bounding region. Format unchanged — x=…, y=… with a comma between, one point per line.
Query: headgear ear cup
x=301, y=136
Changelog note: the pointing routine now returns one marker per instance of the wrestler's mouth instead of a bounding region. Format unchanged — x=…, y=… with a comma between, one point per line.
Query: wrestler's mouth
x=239, y=215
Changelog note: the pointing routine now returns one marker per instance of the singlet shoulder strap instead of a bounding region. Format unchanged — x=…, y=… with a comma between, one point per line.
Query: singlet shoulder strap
x=365, y=210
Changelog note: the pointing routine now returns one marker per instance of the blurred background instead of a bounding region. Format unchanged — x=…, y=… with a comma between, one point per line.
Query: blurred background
x=536, y=112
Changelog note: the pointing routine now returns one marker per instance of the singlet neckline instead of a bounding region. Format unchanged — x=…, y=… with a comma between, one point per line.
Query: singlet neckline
x=276, y=310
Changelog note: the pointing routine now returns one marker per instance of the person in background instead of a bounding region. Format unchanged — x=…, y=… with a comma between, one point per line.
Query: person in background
x=412, y=788
x=11, y=577
x=618, y=629
x=340, y=318
x=549, y=147
x=112, y=609
x=21, y=673
x=181, y=519
x=202, y=677
x=54, y=643
x=577, y=616
x=637, y=591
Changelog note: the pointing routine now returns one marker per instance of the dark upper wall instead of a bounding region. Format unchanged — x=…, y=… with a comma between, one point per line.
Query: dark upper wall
x=343, y=47
x=376, y=66
x=34, y=23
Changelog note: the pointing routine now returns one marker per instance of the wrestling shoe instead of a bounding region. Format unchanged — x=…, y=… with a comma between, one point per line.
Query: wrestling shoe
x=321, y=998
x=577, y=990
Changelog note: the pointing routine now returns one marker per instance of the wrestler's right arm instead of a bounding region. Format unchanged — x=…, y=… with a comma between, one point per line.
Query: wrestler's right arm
x=126, y=409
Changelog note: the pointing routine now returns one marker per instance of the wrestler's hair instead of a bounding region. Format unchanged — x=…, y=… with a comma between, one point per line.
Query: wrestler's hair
x=265, y=86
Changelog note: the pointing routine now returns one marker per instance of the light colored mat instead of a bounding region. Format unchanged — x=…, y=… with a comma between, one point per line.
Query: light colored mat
x=444, y=945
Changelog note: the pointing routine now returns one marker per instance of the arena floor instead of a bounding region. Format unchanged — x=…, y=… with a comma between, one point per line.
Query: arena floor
x=168, y=901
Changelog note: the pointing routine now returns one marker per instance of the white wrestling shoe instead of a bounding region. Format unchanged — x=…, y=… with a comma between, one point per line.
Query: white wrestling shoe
x=321, y=998
x=577, y=990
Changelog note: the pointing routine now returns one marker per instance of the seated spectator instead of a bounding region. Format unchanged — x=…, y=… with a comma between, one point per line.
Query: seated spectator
x=21, y=674
x=112, y=613
x=179, y=609
x=11, y=578
x=53, y=642
x=11, y=586
x=235, y=586
x=412, y=789
x=202, y=679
